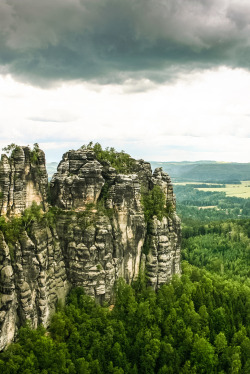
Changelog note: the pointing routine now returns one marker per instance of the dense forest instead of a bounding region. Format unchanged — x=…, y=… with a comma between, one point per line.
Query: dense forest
x=220, y=247
x=195, y=205
x=198, y=323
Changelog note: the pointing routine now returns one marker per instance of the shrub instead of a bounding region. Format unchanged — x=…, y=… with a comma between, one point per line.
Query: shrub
x=14, y=228
x=34, y=154
x=121, y=161
x=9, y=148
x=154, y=203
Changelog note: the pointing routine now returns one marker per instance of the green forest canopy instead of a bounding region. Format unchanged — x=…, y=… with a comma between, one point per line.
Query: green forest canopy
x=199, y=323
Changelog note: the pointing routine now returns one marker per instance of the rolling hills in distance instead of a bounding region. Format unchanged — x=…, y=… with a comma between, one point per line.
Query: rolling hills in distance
x=197, y=171
x=205, y=171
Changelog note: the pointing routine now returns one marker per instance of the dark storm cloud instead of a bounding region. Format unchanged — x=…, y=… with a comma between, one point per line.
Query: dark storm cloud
x=109, y=41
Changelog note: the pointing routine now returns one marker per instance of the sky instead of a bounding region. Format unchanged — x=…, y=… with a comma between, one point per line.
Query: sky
x=164, y=80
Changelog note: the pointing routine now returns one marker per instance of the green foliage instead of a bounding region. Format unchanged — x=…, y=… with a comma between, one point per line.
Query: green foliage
x=35, y=352
x=13, y=229
x=101, y=205
x=205, y=185
x=194, y=205
x=104, y=192
x=221, y=247
x=32, y=214
x=52, y=214
x=34, y=154
x=9, y=148
x=203, y=356
x=154, y=203
x=196, y=324
x=12, y=148
x=169, y=210
x=147, y=242
x=121, y=161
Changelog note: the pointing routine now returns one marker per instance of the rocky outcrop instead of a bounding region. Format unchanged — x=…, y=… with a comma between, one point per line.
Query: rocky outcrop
x=163, y=258
x=78, y=180
x=33, y=279
x=8, y=301
x=23, y=179
x=94, y=233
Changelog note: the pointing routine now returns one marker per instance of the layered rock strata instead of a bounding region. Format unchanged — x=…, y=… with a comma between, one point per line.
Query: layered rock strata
x=94, y=233
x=23, y=179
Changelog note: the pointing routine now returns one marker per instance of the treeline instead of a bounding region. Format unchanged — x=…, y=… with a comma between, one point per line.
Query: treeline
x=191, y=215
x=199, y=323
x=205, y=185
x=220, y=247
x=195, y=205
x=217, y=227
x=188, y=195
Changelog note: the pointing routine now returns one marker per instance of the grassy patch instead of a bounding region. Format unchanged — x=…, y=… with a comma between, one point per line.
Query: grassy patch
x=237, y=190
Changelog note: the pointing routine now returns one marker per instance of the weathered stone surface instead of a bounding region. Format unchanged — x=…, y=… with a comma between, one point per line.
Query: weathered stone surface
x=22, y=181
x=31, y=283
x=93, y=241
x=78, y=181
x=163, y=259
x=8, y=302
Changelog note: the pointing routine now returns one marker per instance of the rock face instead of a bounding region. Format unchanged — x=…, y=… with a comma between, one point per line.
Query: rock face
x=78, y=181
x=23, y=179
x=94, y=233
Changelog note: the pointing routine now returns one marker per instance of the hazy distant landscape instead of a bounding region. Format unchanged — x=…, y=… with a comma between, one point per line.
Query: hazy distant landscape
x=205, y=171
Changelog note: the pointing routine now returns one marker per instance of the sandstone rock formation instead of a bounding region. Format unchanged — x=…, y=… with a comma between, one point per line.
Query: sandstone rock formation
x=94, y=232
x=23, y=179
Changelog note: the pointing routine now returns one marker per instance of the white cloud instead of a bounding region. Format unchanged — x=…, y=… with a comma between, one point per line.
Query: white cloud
x=202, y=116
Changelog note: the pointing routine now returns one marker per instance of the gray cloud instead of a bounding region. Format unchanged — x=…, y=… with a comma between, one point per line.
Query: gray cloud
x=110, y=41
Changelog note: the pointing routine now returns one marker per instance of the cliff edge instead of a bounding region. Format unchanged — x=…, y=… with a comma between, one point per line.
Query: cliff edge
x=104, y=216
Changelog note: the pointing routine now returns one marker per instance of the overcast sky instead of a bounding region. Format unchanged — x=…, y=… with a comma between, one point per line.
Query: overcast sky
x=161, y=79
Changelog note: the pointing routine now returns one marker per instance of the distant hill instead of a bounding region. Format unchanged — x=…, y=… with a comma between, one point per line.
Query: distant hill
x=205, y=171
x=198, y=171
x=51, y=168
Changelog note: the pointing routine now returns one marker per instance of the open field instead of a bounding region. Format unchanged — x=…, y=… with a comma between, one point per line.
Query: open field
x=184, y=183
x=208, y=207
x=237, y=190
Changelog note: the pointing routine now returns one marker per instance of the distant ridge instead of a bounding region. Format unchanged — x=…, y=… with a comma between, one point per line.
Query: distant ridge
x=51, y=169
x=205, y=171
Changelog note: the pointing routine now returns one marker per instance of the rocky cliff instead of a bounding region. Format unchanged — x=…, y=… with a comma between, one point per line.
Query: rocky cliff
x=91, y=229
x=23, y=179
